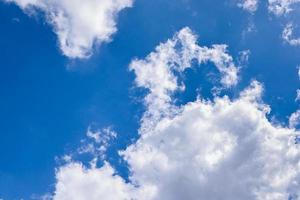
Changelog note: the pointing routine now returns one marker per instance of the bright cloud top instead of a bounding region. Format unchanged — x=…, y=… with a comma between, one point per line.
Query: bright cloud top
x=219, y=149
x=79, y=25
x=249, y=5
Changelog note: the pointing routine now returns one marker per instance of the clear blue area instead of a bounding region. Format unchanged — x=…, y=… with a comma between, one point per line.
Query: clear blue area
x=47, y=101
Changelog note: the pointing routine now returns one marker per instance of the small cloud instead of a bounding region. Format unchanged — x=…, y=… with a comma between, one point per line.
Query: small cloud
x=287, y=35
x=79, y=25
x=243, y=59
x=297, y=95
x=294, y=119
x=249, y=5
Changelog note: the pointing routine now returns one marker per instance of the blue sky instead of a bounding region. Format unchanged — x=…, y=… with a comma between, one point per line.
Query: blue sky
x=50, y=97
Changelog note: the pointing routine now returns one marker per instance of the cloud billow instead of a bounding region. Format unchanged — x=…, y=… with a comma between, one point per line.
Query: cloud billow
x=207, y=149
x=79, y=25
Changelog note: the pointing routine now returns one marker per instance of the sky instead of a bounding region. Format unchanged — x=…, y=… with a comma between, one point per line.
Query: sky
x=149, y=100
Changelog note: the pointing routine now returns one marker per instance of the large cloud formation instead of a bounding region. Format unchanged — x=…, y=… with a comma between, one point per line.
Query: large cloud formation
x=207, y=149
x=79, y=25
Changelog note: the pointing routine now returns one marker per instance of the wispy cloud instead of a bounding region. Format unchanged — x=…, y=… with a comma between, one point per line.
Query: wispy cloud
x=281, y=7
x=287, y=35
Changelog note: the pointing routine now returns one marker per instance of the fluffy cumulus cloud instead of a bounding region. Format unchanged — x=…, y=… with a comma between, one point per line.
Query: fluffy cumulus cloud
x=218, y=150
x=79, y=25
x=249, y=5
x=207, y=149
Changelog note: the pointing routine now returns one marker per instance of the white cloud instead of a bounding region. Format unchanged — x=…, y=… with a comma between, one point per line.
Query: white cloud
x=287, y=35
x=219, y=149
x=297, y=95
x=281, y=7
x=209, y=150
x=298, y=90
x=79, y=25
x=96, y=144
x=156, y=72
x=278, y=8
x=294, y=119
x=249, y=5
x=75, y=182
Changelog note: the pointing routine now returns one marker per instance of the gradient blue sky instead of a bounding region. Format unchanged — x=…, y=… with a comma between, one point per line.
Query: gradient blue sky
x=47, y=101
